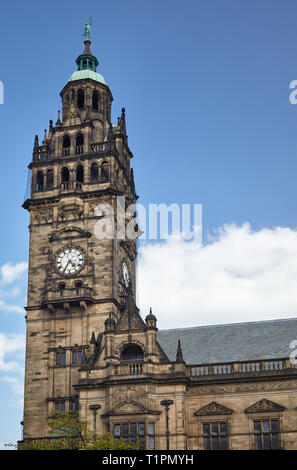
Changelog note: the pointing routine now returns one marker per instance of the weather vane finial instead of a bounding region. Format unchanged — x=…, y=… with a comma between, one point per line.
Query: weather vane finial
x=87, y=30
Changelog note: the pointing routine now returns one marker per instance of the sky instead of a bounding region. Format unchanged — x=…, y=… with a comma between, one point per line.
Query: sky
x=205, y=84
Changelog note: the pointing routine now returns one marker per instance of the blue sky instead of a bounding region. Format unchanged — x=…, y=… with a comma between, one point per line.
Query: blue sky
x=205, y=84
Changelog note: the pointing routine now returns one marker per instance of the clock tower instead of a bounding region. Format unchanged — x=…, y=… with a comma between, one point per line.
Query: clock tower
x=81, y=180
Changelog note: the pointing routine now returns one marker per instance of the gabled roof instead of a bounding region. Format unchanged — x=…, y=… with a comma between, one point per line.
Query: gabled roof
x=231, y=342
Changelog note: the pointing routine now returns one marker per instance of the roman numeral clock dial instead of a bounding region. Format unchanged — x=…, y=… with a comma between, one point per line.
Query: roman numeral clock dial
x=69, y=261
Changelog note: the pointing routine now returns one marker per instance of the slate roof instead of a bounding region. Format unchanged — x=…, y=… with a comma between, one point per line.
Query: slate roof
x=232, y=342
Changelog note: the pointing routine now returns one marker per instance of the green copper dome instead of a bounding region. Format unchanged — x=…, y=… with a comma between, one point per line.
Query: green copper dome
x=86, y=65
x=81, y=74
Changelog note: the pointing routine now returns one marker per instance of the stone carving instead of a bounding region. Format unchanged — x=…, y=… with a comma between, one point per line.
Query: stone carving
x=242, y=388
x=43, y=216
x=213, y=408
x=264, y=405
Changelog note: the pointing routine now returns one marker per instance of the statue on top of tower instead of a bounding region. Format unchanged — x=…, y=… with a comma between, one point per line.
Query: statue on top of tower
x=87, y=30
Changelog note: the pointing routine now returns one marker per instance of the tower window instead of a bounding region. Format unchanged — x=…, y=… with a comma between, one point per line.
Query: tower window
x=65, y=175
x=61, y=358
x=79, y=144
x=80, y=99
x=39, y=181
x=104, y=172
x=94, y=173
x=95, y=100
x=77, y=356
x=49, y=179
x=132, y=353
x=66, y=145
x=80, y=174
x=61, y=289
x=78, y=286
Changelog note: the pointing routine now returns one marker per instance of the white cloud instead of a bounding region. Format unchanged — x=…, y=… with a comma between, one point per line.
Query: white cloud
x=10, y=345
x=11, y=273
x=239, y=275
x=16, y=385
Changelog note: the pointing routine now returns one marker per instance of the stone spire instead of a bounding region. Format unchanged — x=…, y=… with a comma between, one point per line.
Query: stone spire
x=179, y=353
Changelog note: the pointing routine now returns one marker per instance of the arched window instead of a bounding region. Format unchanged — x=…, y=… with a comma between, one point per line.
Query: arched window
x=80, y=174
x=39, y=181
x=61, y=288
x=79, y=144
x=49, y=179
x=95, y=100
x=94, y=173
x=66, y=145
x=84, y=64
x=65, y=175
x=80, y=99
x=104, y=172
x=132, y=353
x=78, y=286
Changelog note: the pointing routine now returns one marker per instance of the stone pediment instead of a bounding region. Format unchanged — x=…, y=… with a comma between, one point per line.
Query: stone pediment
x=264, y=405
x=68, y=233
x=129, y=408
x=213, y=408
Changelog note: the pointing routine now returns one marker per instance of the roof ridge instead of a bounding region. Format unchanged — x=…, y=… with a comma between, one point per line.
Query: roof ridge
x=230, y=324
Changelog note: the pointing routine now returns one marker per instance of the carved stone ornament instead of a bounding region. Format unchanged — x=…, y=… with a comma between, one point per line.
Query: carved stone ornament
x=43, y=216
x=213, y=408
x=264, y=405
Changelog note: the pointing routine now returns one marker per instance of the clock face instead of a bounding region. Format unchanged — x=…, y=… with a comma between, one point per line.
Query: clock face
x=70, y=261
x=126, y=276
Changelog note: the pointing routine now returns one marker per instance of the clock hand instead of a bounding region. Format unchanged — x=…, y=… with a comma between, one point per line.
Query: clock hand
x=66, y=266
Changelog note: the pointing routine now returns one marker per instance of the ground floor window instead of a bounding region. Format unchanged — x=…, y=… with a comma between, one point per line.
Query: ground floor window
x=215, y=436
x=134, y=432
x=267, y=434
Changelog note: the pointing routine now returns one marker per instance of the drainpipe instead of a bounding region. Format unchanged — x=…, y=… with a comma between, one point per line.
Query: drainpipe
x=167, y=403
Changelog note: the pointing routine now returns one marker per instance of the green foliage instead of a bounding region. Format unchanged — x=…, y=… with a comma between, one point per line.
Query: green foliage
x=68, y=432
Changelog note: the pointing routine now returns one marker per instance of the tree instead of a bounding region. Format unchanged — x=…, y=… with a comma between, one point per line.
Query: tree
x=67, y=431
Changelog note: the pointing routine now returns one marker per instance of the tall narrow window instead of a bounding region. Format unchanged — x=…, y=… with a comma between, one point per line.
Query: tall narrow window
x=104, y=172
x=77, y=356
x=215, y=436
x=79, y=148
x=66, y=145
x=267, y=434
x=49, y=179
x=61, y=358
x=39, y=181
x=94, y=173
x=65, y=175
x=80, y=174
x=95, y=100
x=80, y=99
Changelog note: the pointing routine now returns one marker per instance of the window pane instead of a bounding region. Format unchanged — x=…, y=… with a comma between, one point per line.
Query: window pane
x=214, y=429
x=73, y=357
x=224, y=443
x=258, y=442
x=125, y=430
x=141, y=429
x=151, y=429
x=151, y=443
x=58, y=359
x=142, y=444
x=275, y=441
x=206, y=443
x=266, y=441
x=274, y=425
x=215, y=443
x=133, y=429
x=79, y=357
x=223, y=429
x=265, y=426
x=206, y=430
x=117, y=430
x=257, y=426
